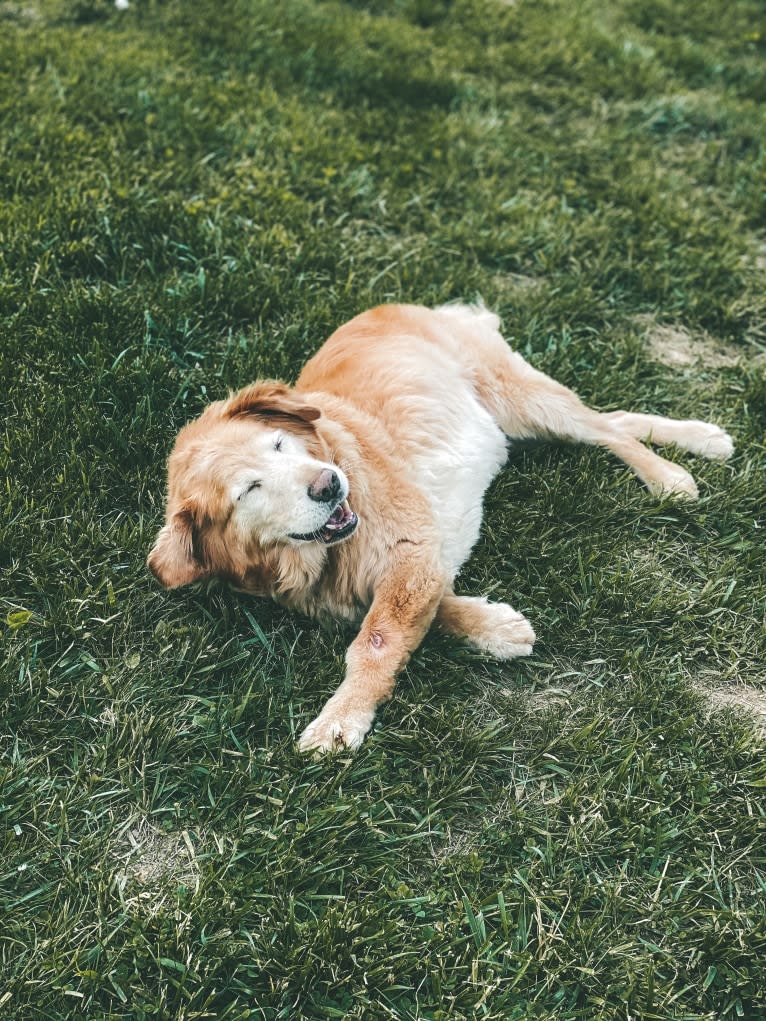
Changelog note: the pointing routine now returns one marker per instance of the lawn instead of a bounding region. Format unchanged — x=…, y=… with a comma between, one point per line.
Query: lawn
x=196, y=194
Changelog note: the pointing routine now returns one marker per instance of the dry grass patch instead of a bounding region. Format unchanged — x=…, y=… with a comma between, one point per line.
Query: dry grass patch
x=24, y=14
x=744, y=698
x=153, y=864
x=549, y=698
x=675, y=346
x=521, y=283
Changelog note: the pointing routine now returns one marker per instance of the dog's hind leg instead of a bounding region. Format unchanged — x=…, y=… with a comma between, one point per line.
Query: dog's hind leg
x=495, y=628
x=527, y=404
x=697, y=437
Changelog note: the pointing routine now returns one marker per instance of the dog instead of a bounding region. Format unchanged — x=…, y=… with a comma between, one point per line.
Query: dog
x=358, y=492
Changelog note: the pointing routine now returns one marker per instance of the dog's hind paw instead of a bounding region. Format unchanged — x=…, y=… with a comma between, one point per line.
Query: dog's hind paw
x=674, y=482
x=708, y=440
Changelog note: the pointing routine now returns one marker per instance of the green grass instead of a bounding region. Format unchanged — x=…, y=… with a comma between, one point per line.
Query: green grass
x=195, y=194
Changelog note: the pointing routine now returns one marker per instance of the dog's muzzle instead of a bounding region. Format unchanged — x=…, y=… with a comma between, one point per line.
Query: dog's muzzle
x=340, y=525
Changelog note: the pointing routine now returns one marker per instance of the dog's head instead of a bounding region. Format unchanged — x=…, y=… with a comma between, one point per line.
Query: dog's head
x=249, y=481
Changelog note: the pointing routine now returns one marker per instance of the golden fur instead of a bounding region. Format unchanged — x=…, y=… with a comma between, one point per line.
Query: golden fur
x=357, y=493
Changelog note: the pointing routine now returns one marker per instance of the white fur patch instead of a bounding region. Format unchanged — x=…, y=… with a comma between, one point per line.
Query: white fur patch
x=455, y=473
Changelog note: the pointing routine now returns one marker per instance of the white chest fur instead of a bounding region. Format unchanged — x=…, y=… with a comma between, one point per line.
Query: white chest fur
x=454, y=470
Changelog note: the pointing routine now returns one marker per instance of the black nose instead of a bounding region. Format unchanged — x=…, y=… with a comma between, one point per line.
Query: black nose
x=325, y=487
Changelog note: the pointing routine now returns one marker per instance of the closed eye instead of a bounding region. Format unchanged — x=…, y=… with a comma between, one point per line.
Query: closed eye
x=253, y=485
x=278, y=443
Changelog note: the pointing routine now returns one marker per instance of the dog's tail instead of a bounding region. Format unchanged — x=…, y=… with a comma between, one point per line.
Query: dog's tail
x=470, y=315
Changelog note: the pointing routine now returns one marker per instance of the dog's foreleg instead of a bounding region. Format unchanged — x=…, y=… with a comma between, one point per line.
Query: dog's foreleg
x=495, y=628
x=403, y=607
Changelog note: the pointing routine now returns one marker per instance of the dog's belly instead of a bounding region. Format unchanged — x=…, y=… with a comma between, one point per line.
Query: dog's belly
x=454, y=468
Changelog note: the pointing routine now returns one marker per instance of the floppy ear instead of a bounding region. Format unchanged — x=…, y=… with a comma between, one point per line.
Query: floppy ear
x=172, y=561
x=270, y=399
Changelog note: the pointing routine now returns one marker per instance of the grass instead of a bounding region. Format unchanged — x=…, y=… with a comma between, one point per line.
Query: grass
x=197, y=194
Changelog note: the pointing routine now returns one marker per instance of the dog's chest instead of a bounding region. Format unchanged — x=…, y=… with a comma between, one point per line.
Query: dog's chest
x=454, y=467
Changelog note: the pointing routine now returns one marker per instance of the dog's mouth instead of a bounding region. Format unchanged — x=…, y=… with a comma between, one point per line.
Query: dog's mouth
x=340, y=525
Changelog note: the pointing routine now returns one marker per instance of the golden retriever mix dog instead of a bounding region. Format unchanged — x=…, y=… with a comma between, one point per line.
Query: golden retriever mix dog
x=358, y=492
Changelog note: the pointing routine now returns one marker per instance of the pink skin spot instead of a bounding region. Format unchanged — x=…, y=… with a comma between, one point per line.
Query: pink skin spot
x=376, y=640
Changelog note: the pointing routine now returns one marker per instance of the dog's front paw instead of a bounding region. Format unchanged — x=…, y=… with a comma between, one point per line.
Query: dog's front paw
x=338, y=726
x=506, y=633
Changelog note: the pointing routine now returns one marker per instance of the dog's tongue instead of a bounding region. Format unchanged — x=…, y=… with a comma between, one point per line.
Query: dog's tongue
x=338, y=515
x=341, y=522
